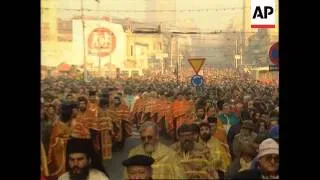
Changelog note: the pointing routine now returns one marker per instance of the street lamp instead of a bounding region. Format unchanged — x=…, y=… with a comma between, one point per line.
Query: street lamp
x=84, y=45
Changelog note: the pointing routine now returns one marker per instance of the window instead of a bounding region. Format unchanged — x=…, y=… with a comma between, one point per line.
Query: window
x=125, y=73
x=135, y=73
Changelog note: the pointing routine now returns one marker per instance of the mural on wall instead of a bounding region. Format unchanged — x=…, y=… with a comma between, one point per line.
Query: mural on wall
x=101, y=42
x=104, y=41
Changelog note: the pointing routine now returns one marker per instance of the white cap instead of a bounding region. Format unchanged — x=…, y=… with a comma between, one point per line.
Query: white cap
x=268, y=146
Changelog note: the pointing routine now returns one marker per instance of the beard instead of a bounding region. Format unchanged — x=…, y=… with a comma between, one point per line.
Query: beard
x=187, y=145
x=205, y=137
x=148, y=148
x=245, y=133
x=104, y=102
x=51, y=116
x=77, y=173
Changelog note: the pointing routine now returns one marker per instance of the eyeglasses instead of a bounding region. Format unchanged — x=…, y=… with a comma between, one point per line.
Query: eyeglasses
x=272, y=157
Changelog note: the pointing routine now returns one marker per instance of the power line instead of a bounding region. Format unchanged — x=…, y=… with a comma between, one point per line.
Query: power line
x=221, y=53
x=205, y=39
x=152, y=11
x=55, y=51
x=216, y=32
x=213, y=32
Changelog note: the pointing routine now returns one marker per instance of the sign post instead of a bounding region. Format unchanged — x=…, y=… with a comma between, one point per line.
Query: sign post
x=196, y=64
x=197, y=80
x=274, y=57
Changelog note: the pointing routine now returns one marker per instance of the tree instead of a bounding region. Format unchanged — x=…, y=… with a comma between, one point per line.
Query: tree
x=231, y=40
x=258, y=47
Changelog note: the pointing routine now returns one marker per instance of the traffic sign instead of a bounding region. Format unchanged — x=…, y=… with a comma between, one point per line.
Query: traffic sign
x=197, y=80
x=274, y=54
x=196, y=63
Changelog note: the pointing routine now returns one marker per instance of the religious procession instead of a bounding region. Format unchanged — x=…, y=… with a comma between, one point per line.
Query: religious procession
x=229, y=128
x=159, y=89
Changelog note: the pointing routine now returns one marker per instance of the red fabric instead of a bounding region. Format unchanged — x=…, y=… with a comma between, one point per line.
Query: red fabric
x=64, y=67
x=136, y=106
x=182, y=111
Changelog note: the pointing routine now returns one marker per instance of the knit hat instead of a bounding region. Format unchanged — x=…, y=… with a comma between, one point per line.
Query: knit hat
x=92, y=93
x=205, y=124
x=248, y=124
x=268, y=146
x=187, y=128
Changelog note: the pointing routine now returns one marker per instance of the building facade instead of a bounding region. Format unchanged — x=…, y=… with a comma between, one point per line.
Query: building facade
x=132, y=52
x=159, y=15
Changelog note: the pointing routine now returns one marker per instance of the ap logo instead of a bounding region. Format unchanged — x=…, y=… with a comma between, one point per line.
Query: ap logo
x=262, y=13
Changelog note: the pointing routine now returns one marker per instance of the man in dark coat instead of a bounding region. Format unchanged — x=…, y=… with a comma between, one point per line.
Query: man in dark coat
x=268, y=162
x=242, y=163
x=246, y=136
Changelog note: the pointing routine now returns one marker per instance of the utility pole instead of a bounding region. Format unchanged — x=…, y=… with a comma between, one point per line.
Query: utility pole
x=162, y=65
x=241, y=57
x=171, y=37
x=85, y=73
x=178, y=60
x=243, y=36
x=241, y=48
x=177, y=73
x=100, y=61
x=236, y=54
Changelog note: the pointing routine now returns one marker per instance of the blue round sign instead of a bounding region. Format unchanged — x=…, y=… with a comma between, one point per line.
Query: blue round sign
x=274, y=54
x=197, y=80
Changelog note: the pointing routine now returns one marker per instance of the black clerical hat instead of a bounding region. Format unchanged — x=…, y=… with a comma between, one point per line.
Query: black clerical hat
x=138, y=160
x=75, y=145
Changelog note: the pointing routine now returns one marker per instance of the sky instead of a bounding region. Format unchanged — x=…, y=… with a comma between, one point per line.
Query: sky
x=212, y=19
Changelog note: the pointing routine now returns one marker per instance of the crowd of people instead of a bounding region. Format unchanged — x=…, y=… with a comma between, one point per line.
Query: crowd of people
x=226, y=129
